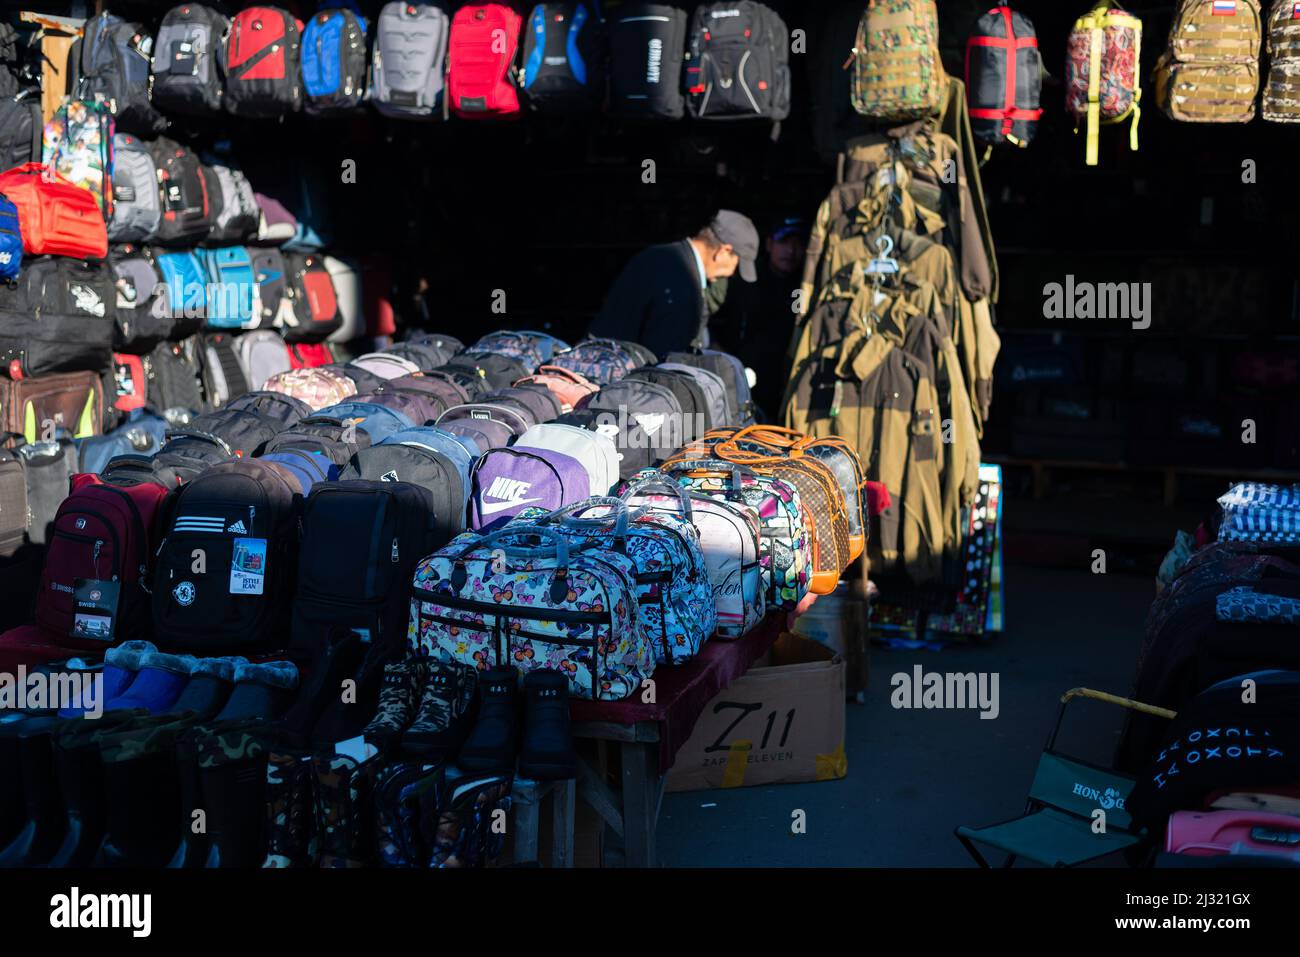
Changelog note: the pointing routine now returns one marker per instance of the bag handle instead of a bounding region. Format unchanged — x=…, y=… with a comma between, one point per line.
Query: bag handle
x=735, y=469
x=202, y=436
x=639, y=487
x=566, y=515
x=560, y=551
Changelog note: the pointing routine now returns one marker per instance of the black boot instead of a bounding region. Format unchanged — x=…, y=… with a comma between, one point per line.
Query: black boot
x=193, y=848
x=547, y=750
x=81, y=781
x=232, y=772
x=491, y=745
x=323, y=687
x=343, y=720
x=144, y=795
x=42, y=832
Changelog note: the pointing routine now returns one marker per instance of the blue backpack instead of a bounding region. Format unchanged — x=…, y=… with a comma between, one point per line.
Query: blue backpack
x=186, y=280
x=11, y=240
x=333, y=61
x=462, y=451
x=143, y=433
x=231, y=281
x=308, y=467
x=564, y=46
x=376, y=421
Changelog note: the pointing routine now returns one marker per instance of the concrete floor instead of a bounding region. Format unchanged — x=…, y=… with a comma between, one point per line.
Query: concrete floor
x=914, y=774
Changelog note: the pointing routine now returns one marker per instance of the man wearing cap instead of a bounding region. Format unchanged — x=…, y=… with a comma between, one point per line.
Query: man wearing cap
x=661, y=299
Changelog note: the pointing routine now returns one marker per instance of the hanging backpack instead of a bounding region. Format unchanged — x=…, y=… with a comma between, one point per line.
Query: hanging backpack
x=186, y=60
x=78, y=143
x=137, y=208
x=173, y=374
x=111, y=62
x=274, y=287
x=564, y=58
x=235, y=213
x=185, y=290
x=646, y=49
x=1004, y=77
x=481, y=61
x=309, y=355
x=243, y=516
x=59, y=315
x=1281, y=100
x=71, y=400
x=315, y=311
x=406, y=74
x=186, y=208
x=260, y=60
x=897, y=73
x=223, y=376
x=1103, y=82
x=143, y=320
x=333, y=62
x=345, y=277
x=11, y=241
x=1210, y=71
x=54, y=217
x=738, y=63
x=318, y=388
x=262, y=354
x=21, y=126
x=231, y=288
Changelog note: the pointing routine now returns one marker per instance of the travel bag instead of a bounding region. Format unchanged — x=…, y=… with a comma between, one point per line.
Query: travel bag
x=1210, y=71
x=737, y=63
x=55, y=217
x=36, y=408
x=186, y=62
x=647, y=49
x=59, y=315
x=1111, y=38
x=564, y=65
x=481, y=52
x=407, y=70
x=1004, y=78
x=897, y=73
x=260, y=63
x=333, y=62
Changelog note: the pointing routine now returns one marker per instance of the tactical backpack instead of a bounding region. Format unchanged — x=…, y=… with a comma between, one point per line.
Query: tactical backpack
x=186, y=61
x=896, y=70
x=186, y=208
x=137, y=208
x=111, y=60
x=1004, y=78
x=1111, y=39
x=564, y=58
x=646, y=47
x=333, y=62
x=738, y=63
x=260, y=60
x=1210, y=71
x=406, y=74
x=481, y=76
x=1281, y=100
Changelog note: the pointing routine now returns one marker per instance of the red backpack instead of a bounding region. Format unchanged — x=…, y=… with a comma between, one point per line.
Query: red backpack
x=481, y=57
x=54, y=216
x=309, y=355
x=261, y=63
x=103, y=535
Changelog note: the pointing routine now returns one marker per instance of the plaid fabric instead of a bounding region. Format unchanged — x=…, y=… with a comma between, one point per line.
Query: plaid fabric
x=1253, y=512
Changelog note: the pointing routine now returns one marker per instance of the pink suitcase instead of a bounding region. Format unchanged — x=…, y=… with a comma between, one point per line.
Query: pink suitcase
x=1215, y=833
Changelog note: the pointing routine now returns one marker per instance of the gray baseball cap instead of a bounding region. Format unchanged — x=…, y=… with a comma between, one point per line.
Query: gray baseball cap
x=738, y=232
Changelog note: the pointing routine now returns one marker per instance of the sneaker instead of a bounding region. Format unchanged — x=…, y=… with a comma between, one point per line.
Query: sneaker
x=445, y=713
x=491, y=745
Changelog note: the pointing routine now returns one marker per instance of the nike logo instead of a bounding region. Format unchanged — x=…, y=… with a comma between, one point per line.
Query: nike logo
x=494, y=507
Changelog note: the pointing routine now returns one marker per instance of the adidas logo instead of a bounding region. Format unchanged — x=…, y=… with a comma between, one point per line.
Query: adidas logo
x=238, y=528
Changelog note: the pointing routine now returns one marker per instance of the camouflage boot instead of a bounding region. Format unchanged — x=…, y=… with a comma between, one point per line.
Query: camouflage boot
x=291, y=838
x=232, y=773
x=460, y=828
x=399, y=790
x=399, y=697
x=345, y=808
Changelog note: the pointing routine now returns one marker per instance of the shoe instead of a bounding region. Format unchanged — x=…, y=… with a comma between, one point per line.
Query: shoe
x=121, y=665
x=445, y=714
x=546, y=753
x=80, y=776
x=457, y=820
x=232, y=773
x=210, y=687
x=158, y=683
x=398, y=698
x=400, y=790
x=346, y=717
x=262, y=690
x=42, y=831
x=326, y=673
x=491, y=745
x=291, y=838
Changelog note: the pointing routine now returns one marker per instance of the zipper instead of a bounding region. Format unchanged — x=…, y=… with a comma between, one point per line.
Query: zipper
x=492, y=609
x=98, y=542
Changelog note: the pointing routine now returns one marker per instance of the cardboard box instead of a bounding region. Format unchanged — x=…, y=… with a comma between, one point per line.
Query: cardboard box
x=781, y=722
x=839, y=621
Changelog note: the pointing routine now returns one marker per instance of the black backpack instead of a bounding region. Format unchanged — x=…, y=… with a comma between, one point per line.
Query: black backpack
x=243, y=431
x=644, y=419
x=418, y=465
x=173, y=374
x=365, y=382
x=740, y=404
x=738, y=63
x=564, y=58
x=647, y=46
x=329, y=436
x=48, y=467
x=133, y=468
x=447, y=346
x=468, y=382
x=364, y=587
x=223, y=376
x=427, y=357
x=242, y=520
x=689, y=394
x=539, y=402
x=20, y=131
x=143, y=321
x=111, y=60
x=498, y=371
x=187, y=59
x=999, y=115
x=285, y=409
x=186, y=209
x=59, y=315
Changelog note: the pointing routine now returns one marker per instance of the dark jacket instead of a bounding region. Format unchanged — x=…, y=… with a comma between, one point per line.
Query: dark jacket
x=656, y=301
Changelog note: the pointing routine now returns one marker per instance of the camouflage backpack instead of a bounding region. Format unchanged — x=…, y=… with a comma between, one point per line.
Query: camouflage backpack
x=1281, y=102
x=897, y=73
x=1210, y=72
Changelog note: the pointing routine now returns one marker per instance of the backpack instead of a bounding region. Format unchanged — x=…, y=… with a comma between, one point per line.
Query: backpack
x=738, y=63
x=275, y=224
x=234, y=205
x=391, y=526
x=186, y=208
x=333, y=62
x=470, y=383
x=59, y=315
x=595, y=452
x=274, y=296
x=142, y=433
x=260, y=61
x=48, y=468
x=554, y=606
x=569, y=388
x=262, y=354
x=1281, y=101
x=378, y=422
x=1112, y=95
x=484, y=434
x=406, y=73
x=281, y=408
x=315, y=311
x=447, y=345
x=516, y=419
x=231, y=288
x=1004, y=78
x=345, y=277
x=54, y=216
x=740, y=404
x=11, y=241
x=244, y=518
x=1210, y=71
x=13, y=513
x=21, y=128
x=173, y=374
x=696, y=414
x=111, y=63
x=103, y=541
x=716, y=407
x=603, y=360
x=137, y=207
x=309, y=468
x=564, y=58
x=537, y=404
x=415, y=407
x=480, y=73
x=78, y=143
x=244, y=432
x=131, y=382
x=897, y=74
x=318, y=387
x=530, y=348
x=435, y=392
x=386, y=365
x=646, y=50
x=325, y=435
x=309, y=355
x=729, y=539
x=497, y=370
x=414, y=458
x=362, y=380
x=186, y=61
x=185, y=299
x=425, y=357
x=643, y=418
x=223, y=376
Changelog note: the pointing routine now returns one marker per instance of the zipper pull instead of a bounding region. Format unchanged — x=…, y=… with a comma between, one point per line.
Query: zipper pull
x=99, y=542
x=394, y=550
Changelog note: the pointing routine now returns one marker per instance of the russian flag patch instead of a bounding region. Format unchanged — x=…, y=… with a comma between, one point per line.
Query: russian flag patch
x=1295, y=11
x=1228, y=8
